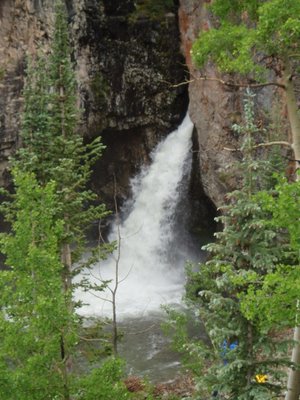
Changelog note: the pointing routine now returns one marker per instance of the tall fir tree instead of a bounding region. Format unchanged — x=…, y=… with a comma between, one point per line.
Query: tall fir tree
x=251, y=37
x=53, y=156
x=275, y=301
x=240, y=354
x=52, y=146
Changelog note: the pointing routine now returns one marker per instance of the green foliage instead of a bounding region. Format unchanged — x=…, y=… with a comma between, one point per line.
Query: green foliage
x=245, y=252
x=100, y=88
x=228, y=10
x=275, y=301
x=34, y=312
x=53, y=149
x=153, y=9
x=229, y=46
x=2, y=73
x=104, y=383
x=284, y=207
x=50, y=211
x=278, y=27
x=246, y=29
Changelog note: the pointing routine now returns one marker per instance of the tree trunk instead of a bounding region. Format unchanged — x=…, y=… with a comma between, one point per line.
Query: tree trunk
x=67, y=361
x=114, y=326
x=116, y=286
x=67, y=263
x=293, y=385
x=293, y=114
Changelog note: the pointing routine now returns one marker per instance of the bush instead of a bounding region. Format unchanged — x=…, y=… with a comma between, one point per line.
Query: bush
x=103, y=383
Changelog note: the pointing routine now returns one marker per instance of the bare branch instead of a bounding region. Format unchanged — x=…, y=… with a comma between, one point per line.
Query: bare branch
x=230, y=84
x=126, y=276
x=281, y=143
x=181, y=83
x=99, y=297
x=228, y=149
x=117, y=277
x=93, y=339
x=111, y=291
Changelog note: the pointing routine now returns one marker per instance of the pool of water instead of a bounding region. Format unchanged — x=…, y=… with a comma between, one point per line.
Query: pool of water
x=147, y=350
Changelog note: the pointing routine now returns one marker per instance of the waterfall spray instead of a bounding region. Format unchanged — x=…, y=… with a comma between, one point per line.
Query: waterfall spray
x=148, y=275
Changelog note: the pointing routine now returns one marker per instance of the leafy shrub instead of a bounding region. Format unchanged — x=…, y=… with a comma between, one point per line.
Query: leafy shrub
x=103, y=383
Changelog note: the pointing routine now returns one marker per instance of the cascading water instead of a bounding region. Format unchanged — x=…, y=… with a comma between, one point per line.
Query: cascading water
x=151, y=265
x=152, y=258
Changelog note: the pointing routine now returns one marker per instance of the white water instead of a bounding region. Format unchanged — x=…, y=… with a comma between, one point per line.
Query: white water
x=151, y=267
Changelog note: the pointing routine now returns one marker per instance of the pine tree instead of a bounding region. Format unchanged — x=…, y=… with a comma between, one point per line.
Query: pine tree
x=53, y=149
x=275, y=302
x=245, y=251
x=53, y=156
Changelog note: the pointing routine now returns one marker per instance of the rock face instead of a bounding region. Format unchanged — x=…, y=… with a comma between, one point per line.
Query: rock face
x=213, y=108
x=124, y=64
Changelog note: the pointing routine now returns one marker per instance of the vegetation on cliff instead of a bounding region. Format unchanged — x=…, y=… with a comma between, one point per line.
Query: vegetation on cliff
x=49, y=214
x=253, y=266
x=246, y=293
x=253, y=38
x=153, y=9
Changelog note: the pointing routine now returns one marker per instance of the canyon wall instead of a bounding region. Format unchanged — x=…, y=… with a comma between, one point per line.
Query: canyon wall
x=214, y=107
x=125, y=62
x=131, y=66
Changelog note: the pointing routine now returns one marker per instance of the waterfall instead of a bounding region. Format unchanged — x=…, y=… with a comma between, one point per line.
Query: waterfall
x=151, y=266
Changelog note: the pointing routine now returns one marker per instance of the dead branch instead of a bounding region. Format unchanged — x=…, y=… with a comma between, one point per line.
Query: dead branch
x=281, y=143
x=228, y=149
x=230, y=84
x=93, y=339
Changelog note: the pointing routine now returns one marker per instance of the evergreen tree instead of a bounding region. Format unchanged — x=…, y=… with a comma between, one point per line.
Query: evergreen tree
x=252, y=37
x=275, y=302
x=55, y=160
x=34, y=313
x=52, y=147
x=36, y=323
x=245, y=251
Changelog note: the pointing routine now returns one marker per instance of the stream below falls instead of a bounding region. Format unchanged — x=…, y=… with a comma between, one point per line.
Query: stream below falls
x=154, y=245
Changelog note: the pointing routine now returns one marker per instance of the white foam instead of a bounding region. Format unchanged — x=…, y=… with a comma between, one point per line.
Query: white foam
x=147, y=276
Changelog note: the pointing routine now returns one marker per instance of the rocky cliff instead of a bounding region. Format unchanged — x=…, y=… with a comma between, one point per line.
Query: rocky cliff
x=214, y=107
x=125, y=61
